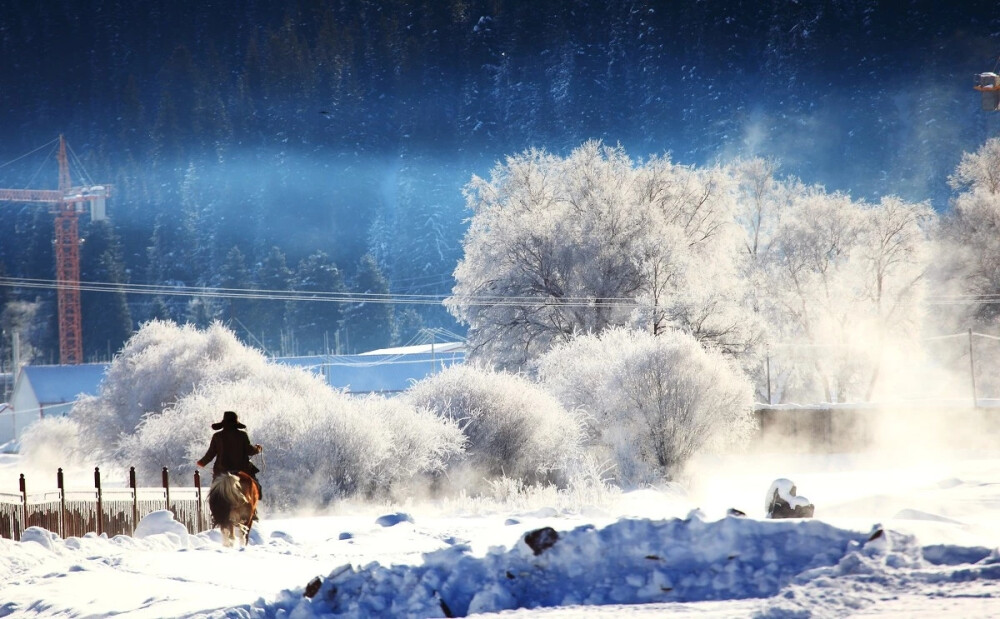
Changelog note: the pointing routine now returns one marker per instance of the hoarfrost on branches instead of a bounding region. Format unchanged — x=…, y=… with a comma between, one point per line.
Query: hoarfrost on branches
x=559, y=246
x=512, y=427
x=159, y=365
x=972, y=232
x=651, y=401
x=319, y=443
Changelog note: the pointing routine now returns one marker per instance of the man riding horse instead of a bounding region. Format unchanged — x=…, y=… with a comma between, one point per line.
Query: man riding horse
x=231, y=449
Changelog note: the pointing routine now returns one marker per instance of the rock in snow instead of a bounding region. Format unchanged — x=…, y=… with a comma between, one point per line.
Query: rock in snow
x=782, y=502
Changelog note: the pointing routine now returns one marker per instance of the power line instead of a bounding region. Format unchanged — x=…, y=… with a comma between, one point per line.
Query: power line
x=318, y=296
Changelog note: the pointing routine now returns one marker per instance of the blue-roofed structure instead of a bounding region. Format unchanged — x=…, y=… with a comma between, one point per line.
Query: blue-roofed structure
x=384, y=371
x=50, y=390
x=47, y=391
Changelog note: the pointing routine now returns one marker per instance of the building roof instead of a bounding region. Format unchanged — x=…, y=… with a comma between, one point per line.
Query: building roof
x=388, y=370
x=439, y=347
x=55, y=384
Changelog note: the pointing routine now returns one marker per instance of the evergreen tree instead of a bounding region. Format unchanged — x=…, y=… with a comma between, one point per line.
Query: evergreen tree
x=198, y=231
x=162, y=269
x=200, y=312
x=107, y=321
x=5, y=291
x=268, y=316
x=368, y=324
x=314, y=324
x=158, y=309
x=406, y=325
x=5, y=335
x=233, y=277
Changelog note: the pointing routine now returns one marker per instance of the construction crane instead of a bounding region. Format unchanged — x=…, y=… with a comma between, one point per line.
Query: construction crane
x=66, y=203
x=988, y=84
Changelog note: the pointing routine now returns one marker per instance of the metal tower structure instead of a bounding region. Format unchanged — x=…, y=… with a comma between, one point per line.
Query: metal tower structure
x=66, y=203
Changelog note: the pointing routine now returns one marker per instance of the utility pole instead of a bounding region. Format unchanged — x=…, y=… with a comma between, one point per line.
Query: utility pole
x=972, y=372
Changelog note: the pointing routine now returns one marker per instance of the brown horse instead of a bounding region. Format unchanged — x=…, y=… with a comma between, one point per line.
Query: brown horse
x=232, y=500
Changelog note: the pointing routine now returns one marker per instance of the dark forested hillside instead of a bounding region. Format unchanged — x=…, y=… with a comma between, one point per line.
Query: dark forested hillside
x=309, y=134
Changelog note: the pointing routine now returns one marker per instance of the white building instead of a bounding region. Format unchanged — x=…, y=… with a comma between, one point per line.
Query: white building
x=47, y=391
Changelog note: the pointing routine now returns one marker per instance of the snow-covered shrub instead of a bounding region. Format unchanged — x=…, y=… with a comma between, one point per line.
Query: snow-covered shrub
x=422, y=444
x=650, y=402
x=512, y=427
x=319, y=444
x=159, y=365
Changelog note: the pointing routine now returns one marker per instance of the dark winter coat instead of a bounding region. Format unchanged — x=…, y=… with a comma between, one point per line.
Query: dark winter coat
x=231, y=449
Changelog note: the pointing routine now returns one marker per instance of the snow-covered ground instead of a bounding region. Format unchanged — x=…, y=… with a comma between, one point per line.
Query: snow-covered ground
x=650, y=552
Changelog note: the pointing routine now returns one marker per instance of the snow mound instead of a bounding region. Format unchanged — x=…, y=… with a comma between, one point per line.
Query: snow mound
x=628, y=562
x=40, y=536
x=888, y=566
x=160, y=522
x=916, y=514
x=391, y=520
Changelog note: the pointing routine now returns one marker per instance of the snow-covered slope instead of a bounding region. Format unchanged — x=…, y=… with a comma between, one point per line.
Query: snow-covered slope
x=889, y=539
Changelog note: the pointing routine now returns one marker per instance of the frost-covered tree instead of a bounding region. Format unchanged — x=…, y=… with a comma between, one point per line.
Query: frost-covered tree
x=651, y=402
x=512, y=427
x=761, y=198
x=972, y=231
x=895, y=254
x=845, y=280
x=559, y=246
x=979, y=170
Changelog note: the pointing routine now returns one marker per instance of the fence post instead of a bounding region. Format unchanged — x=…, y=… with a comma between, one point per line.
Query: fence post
x=100, y=505
x=135, y=498
x=166, y=485
x=769, y=378
x=197, y=485
x=62, y=503
x=24, y=505
x=972, y=372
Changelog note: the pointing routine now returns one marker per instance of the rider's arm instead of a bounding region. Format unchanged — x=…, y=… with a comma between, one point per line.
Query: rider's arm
x=210, y=454
x=250, y=448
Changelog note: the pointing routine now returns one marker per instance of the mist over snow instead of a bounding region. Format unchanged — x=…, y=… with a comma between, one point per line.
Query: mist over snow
x=696, y=253
x=893, y=535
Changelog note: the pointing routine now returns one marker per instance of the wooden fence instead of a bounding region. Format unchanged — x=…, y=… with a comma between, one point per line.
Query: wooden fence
x=111, y=511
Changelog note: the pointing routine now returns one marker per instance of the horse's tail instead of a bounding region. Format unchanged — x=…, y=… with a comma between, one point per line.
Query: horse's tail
x=224, y=494
x=219, y=508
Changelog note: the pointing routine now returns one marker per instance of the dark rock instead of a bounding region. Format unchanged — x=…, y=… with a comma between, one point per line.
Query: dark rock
x=313, y=587
x=541, y=539
x=444, y=606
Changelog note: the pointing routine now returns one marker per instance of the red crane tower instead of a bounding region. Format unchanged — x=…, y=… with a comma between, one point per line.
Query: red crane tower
x=66, y=203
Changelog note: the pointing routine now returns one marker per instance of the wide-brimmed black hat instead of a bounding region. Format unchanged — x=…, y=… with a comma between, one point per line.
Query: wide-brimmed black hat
x=228, y=418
